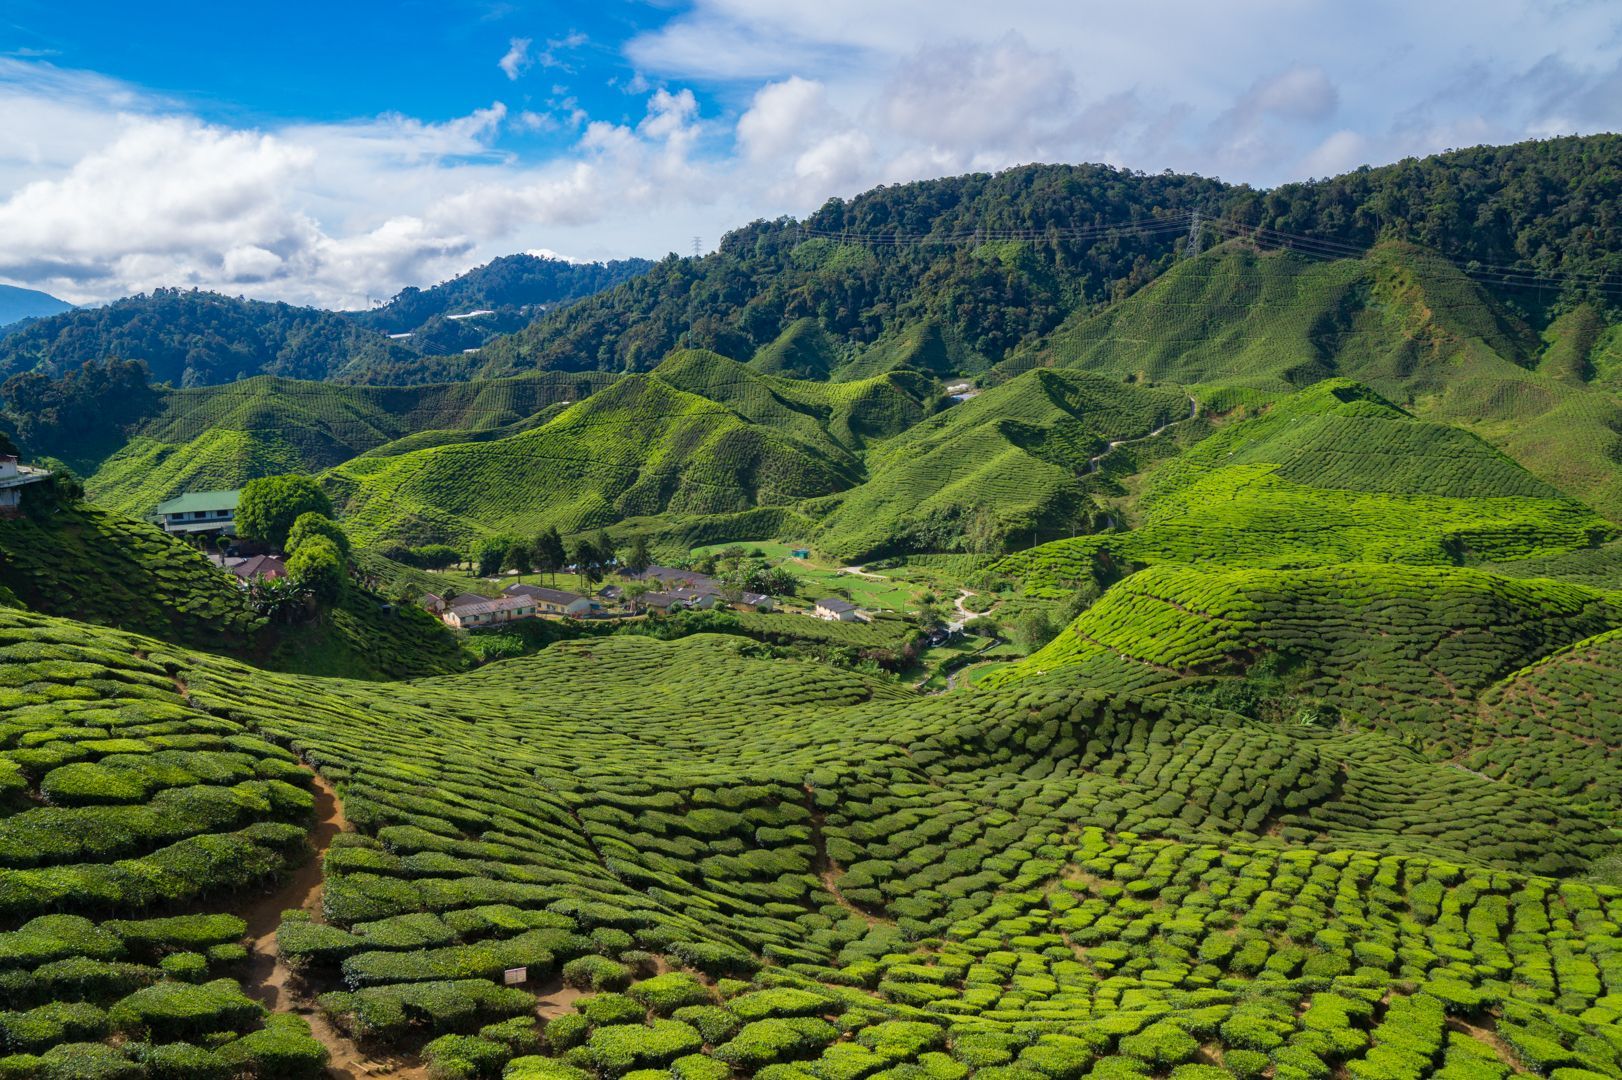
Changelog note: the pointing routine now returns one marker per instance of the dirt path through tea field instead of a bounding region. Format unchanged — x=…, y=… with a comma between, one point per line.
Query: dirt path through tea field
x=269, y=981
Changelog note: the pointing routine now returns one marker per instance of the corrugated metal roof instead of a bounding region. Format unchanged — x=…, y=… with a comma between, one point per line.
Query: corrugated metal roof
x=193, y=501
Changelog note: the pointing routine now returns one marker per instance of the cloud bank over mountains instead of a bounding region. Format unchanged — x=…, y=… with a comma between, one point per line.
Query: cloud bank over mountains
x=752, y=108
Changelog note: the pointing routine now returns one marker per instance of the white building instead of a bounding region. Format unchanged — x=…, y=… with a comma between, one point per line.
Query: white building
x=199, y=512
x=15, y=476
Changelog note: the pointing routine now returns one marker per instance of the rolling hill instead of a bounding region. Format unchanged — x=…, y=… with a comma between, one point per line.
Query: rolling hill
x=1293, y=756
x=208, y=438
x=1256, y=323
x=699, y=436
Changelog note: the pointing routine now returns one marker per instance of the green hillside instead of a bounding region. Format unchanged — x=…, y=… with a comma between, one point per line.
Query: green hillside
x=640, y=447
x=1280, y=740
x=803, y=351
x=1399, y=319
x=1227, y=501
x=983, y=267
x=218, y=437
x=1017, y=456
x=105, y=568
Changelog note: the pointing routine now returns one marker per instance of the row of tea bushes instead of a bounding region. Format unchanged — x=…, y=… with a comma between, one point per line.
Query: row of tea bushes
x=1139, y=959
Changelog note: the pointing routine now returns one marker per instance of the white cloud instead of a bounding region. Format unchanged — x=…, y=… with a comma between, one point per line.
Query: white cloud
x=106, y=188
x=516, y=59
x=781, y=117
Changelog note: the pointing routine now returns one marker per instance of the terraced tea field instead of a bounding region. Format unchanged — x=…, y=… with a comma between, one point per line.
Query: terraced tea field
x=834, y=876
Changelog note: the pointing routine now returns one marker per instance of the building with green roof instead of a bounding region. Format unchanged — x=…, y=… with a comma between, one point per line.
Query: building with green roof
x=199, y=512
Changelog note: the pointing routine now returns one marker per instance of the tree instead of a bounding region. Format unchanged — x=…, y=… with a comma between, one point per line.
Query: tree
x=635, y=591
x=7, y=447
x=489, y=556
x=312, y=524
x=269, y=506
x=318, y=568
x=549, y=554
x=607, y=550
x=520, y=557
x=637, y=559
x=929, y=615
x=1034, y=630
x=587, y=563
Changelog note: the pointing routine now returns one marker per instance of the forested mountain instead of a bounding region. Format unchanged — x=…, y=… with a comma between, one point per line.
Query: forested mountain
x=193, y=338
x=521, y=282
x=999, y=261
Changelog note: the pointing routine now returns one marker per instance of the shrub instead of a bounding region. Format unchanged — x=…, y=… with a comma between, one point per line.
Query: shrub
x=464, y=1057
x=181, y=1061
x=171, y=1010
x=185, y=966
x=566, y=1031
x=1060, y=1057
x=1161, y=1044
x=86, y=1061
x=902, y=1039
x=283, y=1048
x=611, y=1009
x=619, y=1048
x=592, y=972
x=780, y=1001
x=713, y=959
x=542, y=1068
x=715, y=1023
x=673, y=990
x=57, y=1022
x=766, y=1041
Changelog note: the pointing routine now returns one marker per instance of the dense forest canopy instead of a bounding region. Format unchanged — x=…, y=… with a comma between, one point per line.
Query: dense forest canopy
x=897, y=256
x=512, y=281
x=195, y=338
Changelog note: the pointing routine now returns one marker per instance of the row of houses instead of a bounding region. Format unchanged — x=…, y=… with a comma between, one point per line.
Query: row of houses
x=469, y=610
x=685, y=591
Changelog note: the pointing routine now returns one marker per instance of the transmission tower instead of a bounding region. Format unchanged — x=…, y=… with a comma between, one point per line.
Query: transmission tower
x=697, y=243
x=1192, y=247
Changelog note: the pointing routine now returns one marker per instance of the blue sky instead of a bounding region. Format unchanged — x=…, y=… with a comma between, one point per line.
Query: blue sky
x=333, y=153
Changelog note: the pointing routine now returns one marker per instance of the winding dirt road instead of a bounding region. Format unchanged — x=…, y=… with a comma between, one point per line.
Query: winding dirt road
x=270, y=982
x=1193, y=411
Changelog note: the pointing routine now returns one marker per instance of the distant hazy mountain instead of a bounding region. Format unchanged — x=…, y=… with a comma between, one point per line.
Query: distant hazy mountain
x=17, y=303
x=195, y=338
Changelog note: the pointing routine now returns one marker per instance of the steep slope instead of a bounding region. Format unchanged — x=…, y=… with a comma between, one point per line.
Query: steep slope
x=640, y=447
x=1400, y=319
x=1556, y=726
x=802, y=351
x=836, y=418
x=1008, y=463
x=997, y=262
x=1332, y=474
x=221, y=437
x=105, y=568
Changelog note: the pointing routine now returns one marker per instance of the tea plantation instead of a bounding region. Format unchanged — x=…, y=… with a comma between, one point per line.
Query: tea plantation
x=754, y=864
x=1288, y=744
